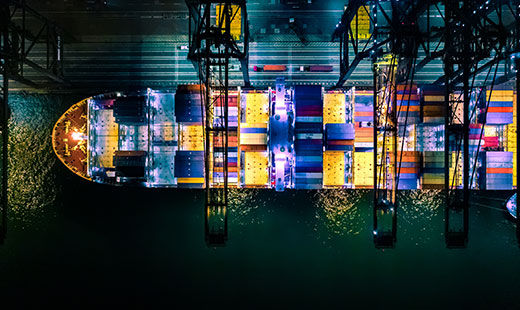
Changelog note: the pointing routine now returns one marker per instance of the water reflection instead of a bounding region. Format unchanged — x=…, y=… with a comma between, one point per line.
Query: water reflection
x=244, y=204
x=420, y=205
x=339, y=210
x=32, y=189
x=420, y=215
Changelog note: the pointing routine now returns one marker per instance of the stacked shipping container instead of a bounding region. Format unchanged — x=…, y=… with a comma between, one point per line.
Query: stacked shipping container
x=254, y=119
x=407, y=169
x=189, y=159
x=189, y=169
x=500, y=107
x=308, y=145
x=498, y=173
x=433, y=170
x=363, y=158
x=408, y=104
x=433, y=104
x=339, y=140
x=218, y=142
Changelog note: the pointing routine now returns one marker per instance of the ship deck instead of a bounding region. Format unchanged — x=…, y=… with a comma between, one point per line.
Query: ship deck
x=156, y=139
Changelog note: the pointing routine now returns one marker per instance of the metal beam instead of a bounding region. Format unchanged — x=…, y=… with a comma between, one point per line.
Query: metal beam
x=22, y=39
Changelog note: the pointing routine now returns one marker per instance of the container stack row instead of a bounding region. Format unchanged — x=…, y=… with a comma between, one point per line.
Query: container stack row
x=189, y=169
x=363, y=118
x=433, y=104
x=339, y=139
x=476, y=138
x=494, y=137
x=408, y=104
x=511, y=138
x=254, y=120
x=188, y=104
x=497, y=170
x=219, y=143
x=406, y=139
x=189, y=159
x=407, y=169
x=363, y=169
x=363, y=156
x=499, y=108
x=430, y=138
x=433, y=170
x=308, y=144
x=363, y=106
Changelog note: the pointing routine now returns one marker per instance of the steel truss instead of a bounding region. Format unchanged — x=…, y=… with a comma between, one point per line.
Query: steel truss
x=213, y=45
x=469, y=42
x=402, y=36
x=476, y=37
x=27, y=28
x=21, y=28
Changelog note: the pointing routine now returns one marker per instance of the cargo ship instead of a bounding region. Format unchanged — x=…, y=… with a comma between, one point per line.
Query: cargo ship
x=284, y=137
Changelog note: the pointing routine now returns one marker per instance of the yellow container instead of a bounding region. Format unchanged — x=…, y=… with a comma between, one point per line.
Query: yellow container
x=235, y=20
x=256, y=108
x=190, y=180
x=334, y=108
x=256, y=171
x=362, y=32
x=191, y=138
x=363, y=169
x=253, y=138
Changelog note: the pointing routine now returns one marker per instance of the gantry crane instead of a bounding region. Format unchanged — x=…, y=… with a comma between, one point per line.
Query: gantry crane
x=476, y=36
x=218, y=34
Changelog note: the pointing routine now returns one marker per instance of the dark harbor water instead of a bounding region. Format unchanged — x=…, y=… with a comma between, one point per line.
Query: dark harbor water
x=74, y=242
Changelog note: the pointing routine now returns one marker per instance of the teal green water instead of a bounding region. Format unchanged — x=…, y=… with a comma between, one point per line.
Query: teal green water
x=74, y=242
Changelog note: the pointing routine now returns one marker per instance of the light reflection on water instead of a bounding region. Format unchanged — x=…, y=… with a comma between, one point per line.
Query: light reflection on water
x=244, y=205
x=36, y=177
x=33, y=189
x=419, y=214
x=339, y=210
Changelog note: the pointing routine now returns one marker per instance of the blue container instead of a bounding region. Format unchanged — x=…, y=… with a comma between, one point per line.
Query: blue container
x=406, y=164
x=307, y=92
x=365, y=100
x=364, y=108
x=339, y=148
x=501, y=103
x=499, y=118
x=407, y=184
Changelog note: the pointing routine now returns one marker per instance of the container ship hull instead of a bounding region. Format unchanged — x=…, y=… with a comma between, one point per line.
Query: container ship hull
x=300, y=137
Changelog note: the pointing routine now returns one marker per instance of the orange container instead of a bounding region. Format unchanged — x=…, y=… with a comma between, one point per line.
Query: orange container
x=254, y=148
x=499, y=170
x=407, y=170
x=275, y=68
x=500, y=109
